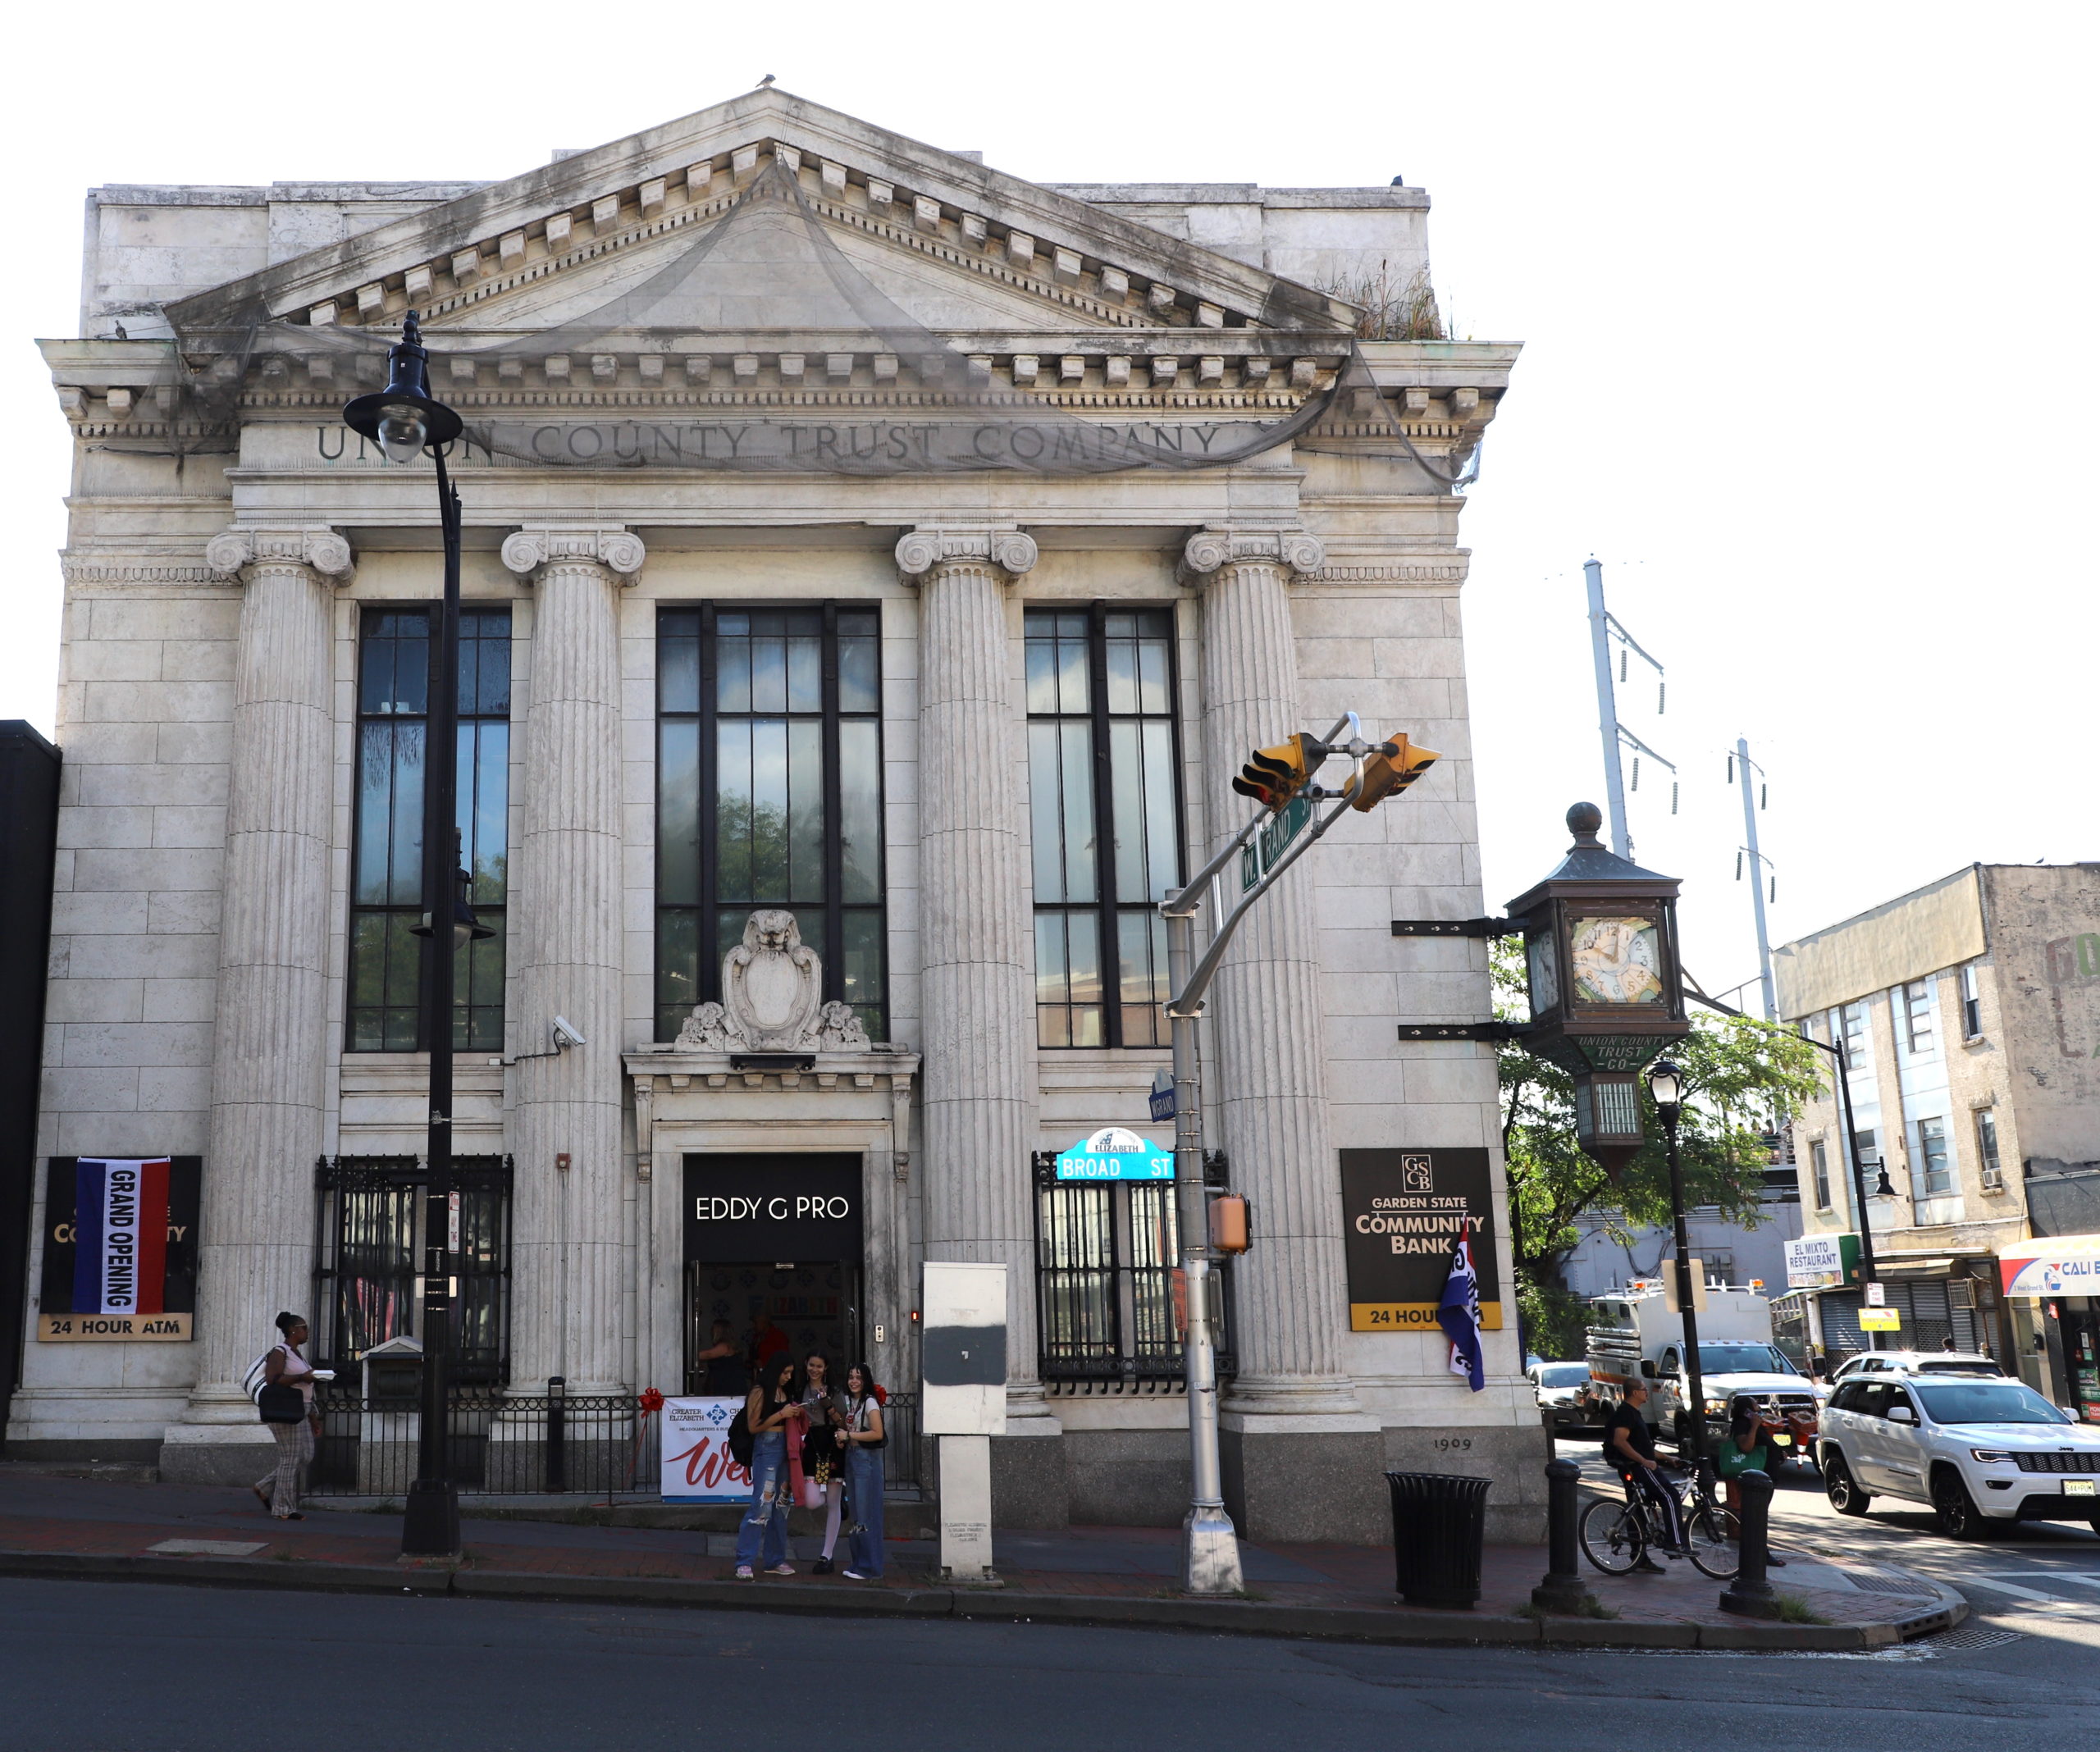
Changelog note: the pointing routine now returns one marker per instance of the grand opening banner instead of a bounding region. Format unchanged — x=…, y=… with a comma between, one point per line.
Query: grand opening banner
x=698, y=1466
x=120, y=1247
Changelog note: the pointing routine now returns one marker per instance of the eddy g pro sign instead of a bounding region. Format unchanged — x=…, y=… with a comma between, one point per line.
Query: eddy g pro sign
x=1403, y=1212
x=772, y=1209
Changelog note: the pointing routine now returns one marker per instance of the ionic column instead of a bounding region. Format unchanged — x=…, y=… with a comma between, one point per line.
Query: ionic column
x=1290, y=1294
x=269, y=1049
x=976, y=933
x=570, y=1233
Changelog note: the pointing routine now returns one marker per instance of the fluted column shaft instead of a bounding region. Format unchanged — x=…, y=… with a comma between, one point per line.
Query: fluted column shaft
x=269, y=1051
x=976, y=934
x=1291, y=1303
x=570, y=1233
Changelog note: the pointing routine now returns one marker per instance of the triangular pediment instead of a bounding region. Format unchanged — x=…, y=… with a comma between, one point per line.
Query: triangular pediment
x=958, y=247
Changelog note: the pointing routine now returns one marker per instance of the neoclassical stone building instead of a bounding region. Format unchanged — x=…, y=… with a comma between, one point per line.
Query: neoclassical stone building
x=935, y=628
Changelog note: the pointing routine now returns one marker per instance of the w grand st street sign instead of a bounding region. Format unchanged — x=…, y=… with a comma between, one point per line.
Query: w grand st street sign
x=1403, y=1212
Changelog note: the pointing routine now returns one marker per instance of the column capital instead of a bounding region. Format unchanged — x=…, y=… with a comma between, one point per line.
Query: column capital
x=321, y=549
x=618, y=550
x=924, y=548
x=1297, y=548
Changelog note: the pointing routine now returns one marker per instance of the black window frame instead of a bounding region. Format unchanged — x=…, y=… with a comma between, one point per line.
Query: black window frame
x=477, y=1027
x=1108, y=905
x=1127, y=1302
x=669, y=1012
x=357, y=1199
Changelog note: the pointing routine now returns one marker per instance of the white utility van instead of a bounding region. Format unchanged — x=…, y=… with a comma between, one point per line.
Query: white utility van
x=1637, y=1335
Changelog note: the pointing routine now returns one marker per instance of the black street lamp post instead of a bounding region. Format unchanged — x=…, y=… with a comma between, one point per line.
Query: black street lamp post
x=405, y=423
x=1666, y=1083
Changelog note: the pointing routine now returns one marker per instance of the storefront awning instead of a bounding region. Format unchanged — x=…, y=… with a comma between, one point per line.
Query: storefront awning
x=2052, y=1265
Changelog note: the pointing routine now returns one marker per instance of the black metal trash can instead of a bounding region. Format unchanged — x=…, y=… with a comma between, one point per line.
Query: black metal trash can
x=1439, y=1523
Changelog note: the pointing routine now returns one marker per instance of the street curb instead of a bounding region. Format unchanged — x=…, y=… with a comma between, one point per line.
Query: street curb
x=1230, y=1618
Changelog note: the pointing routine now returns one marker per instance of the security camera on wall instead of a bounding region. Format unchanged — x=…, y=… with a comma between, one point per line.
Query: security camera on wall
x=566, y=1036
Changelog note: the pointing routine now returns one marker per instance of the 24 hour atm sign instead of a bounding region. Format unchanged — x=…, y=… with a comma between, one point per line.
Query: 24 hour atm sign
x=1403, y=1212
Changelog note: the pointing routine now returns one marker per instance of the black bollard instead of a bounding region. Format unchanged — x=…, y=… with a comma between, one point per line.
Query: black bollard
x=1563, y=1589
x=1750, y=1593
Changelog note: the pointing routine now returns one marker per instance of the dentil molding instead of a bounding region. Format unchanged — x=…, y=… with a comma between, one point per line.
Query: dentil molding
x=920, y=551
x=233, y=550
x=618, y=550
x=1209, y=548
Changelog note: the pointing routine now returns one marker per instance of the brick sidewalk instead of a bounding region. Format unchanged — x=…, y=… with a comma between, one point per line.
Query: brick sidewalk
x=51, y=1525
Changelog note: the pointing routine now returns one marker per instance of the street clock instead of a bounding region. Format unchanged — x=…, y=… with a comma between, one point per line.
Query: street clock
x=1606, y=993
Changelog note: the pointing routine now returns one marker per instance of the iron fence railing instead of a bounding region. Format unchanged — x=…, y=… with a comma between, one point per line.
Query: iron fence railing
x=599, y=1445
x=559, y=1444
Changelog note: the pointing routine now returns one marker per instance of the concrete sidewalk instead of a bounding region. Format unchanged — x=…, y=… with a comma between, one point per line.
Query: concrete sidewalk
x=55, y=1526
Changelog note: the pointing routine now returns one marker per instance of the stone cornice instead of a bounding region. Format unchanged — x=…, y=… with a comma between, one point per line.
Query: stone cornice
x=618, y=550
x=615, y=194
x=245, y=547
x=1297, y=549
x=90, y=568
x=926, y=548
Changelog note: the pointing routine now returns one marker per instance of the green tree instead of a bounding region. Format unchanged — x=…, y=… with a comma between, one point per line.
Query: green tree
x=1744, y=1080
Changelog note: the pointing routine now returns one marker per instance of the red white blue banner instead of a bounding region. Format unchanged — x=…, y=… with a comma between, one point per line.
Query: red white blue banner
x=121, y=1220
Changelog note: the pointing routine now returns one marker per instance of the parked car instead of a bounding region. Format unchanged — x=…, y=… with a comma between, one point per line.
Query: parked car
x=1977, y=1450
x=1563, y=1394
x=1916, y=1362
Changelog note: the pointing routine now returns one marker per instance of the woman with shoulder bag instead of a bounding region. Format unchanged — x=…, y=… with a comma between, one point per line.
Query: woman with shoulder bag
x=774, y=1414
x=285, y=1399
x=862, y=1433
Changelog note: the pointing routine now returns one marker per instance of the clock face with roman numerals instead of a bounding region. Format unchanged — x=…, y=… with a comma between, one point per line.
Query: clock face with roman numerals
x=1617, y=960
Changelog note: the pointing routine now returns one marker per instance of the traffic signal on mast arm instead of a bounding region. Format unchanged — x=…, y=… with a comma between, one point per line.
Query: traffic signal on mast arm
x=1386, y=775
x=1273, y=776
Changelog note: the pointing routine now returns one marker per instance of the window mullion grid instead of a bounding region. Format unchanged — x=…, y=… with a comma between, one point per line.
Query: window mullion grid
x=1104, y=826
x=832, y=825
x=708, y=975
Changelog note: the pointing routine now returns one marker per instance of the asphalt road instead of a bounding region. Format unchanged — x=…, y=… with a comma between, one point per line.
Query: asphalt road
x=127, y=1667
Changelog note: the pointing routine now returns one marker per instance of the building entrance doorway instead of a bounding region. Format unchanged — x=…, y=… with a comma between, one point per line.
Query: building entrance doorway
x=773, y=1253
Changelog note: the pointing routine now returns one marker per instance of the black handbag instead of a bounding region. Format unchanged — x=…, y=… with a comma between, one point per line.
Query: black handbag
x=280, y=1404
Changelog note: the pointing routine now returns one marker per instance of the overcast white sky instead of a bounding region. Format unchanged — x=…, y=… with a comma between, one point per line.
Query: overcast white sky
x=1805, y=293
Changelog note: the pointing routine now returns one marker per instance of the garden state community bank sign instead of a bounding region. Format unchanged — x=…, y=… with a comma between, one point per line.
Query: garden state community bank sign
x=1403, y=1212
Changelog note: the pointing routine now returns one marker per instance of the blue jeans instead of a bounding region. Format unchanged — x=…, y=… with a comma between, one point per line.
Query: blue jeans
x=766, y=1520
x=864, y=1484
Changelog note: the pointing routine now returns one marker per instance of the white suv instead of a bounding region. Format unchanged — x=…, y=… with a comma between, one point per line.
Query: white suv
x=1977, y=1450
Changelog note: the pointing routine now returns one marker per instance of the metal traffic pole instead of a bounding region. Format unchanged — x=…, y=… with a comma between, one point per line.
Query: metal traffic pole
x=1210, y=1542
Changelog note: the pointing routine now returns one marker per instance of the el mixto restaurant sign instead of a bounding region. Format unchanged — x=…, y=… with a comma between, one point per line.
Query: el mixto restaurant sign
x=1403, y=1212
x=120, y=1247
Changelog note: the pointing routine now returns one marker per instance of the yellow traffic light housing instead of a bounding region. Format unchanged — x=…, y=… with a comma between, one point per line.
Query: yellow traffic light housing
x=1386, y=775
x=1273, y=776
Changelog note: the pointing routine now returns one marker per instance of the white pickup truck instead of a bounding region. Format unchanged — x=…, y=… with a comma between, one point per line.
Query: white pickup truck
x=1636, y=1336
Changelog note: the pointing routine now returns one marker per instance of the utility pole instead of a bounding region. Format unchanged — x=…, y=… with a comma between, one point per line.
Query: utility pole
x=1593, y=575
x=1757, y=877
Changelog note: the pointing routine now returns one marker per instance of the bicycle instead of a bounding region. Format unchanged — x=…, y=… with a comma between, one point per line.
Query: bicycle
x=1616, y=1535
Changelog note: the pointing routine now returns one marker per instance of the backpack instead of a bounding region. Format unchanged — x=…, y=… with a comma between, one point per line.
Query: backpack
x=741, y=1443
